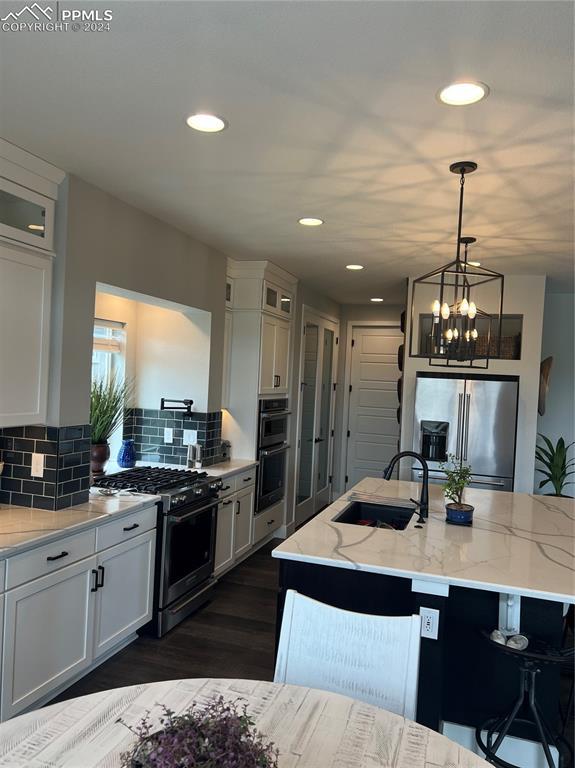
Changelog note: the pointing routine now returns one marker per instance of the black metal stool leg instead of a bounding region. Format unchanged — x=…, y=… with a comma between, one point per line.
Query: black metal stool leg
x=513, y=714
x=538, y=722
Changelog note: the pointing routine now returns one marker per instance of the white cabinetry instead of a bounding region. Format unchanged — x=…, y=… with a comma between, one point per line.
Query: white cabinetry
x=234, y=527
x=276, y=299
x=25, y=289
x=58, y=624
x=124, y=601
x=228, y=329
x=48, y=636
x=274, y=355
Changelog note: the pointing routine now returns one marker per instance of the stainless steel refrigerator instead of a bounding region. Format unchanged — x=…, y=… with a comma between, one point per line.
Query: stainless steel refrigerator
x=472, y=417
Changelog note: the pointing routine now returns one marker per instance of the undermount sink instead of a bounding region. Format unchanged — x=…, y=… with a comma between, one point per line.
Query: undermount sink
x=390, y=516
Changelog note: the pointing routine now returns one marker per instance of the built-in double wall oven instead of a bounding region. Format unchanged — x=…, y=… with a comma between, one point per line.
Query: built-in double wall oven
x=272, y=452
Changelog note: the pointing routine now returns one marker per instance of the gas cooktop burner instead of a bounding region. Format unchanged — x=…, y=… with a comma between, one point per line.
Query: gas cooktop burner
x=155, y=480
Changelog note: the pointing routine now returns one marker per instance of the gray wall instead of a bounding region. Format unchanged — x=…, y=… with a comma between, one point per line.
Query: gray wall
x=559, y=418
x=102, y=239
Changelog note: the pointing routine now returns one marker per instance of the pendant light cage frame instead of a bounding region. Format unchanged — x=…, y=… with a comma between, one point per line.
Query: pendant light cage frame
x=454, y=337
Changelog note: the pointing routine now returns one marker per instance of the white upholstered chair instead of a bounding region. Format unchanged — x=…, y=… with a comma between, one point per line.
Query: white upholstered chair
x=371, y=658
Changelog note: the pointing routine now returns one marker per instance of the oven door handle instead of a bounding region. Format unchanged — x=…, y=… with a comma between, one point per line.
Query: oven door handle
x=273, y=452
x=179, y=519
x=274, y=415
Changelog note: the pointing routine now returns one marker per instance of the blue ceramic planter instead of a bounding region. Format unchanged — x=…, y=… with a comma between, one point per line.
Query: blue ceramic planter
x=127, y=455
x=459, y=515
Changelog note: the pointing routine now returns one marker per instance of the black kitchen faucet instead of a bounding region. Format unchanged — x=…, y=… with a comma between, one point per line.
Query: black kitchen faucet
x=423, y=503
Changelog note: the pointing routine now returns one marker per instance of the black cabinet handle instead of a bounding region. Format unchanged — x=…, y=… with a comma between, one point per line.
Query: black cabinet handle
x=271, y=521
x=225, y=503
x=95, y=587
x=226, y=488
x=239, y=507
x=247, y=479
x=101, y=583
x=51, y=558
x=132, y=527
x=319, y=440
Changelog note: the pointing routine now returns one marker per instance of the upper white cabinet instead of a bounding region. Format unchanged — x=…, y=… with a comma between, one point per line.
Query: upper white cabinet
x=229, y=292
x=26, y=216
x=274, y=355
x=228, y=329
x=277, y=300
x=25, y=290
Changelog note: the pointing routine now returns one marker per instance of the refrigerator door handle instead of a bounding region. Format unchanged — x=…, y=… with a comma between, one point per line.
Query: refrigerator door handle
x=465, y=440
x=459, y=415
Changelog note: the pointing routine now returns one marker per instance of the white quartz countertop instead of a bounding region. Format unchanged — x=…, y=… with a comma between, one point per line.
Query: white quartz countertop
x=519, y=543
x=223, y=469
x=24, y=527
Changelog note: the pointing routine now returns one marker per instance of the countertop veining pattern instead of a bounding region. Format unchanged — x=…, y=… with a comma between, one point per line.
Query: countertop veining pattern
x=25, y=527
x=519, y=543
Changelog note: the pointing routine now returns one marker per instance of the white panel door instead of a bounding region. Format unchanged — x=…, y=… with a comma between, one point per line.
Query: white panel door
x=373, y=426
x=224, y=555
x=124, y=599
x=267, y=355
x=244, y=511
x=25, y=287
x=49, y=635
x=281, y=357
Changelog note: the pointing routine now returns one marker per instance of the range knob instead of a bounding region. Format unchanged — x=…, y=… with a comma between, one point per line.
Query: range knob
x=178, y=499
x=198, y=492
x=216, y=485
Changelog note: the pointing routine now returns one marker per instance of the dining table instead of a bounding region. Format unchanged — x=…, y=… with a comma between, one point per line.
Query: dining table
x=310, y=728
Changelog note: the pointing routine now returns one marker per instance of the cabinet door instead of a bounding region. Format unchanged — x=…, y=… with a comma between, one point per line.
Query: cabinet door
x=267, y=355
x=244, y=510
x=271, y=297
x=49, y=632
x=281, y=356
x=25, y=285
x=227, y=360
x=224, y=556
x=26, y=216
x=286, y=302
x=124, y=599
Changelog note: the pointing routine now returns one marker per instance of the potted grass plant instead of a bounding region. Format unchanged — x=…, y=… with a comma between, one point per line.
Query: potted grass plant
x=107, y=403
x=556, y=466
x=216, y=735
x=458, y=477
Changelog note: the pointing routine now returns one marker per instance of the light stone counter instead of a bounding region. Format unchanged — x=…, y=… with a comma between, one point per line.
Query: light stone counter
x=519, y=543
x=22, y=527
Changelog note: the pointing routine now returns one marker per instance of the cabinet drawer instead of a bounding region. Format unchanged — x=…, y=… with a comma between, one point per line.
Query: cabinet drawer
x=245, y=479
x=49, y=558
x=126, y=528
x=266, y=522
x=228, y=486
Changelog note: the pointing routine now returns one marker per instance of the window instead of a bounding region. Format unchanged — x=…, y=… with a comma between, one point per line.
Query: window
x=109, y=361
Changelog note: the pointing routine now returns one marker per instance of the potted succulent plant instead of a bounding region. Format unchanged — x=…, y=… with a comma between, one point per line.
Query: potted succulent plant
x=217, y=735
x=107, y=402
x=556, y=466
x=458, y=477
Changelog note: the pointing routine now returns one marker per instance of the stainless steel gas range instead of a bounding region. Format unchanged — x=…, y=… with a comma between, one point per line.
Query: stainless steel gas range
x=186, y=535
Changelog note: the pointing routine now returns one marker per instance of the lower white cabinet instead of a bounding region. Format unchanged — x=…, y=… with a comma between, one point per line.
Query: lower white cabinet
x=48, y=635
x=57, y=625
x=224, y=555
x=244, y=511
x=124, y=601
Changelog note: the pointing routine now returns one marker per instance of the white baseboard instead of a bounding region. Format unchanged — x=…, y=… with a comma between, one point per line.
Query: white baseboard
x=527, y=754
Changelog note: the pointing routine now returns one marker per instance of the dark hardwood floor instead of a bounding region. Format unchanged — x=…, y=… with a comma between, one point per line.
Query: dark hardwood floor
x=232, y=636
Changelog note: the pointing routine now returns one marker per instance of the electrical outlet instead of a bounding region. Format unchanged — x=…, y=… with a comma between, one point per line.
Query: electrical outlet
x=429, y=623
x=190, y=436
x=37, y=469
x=168, y=435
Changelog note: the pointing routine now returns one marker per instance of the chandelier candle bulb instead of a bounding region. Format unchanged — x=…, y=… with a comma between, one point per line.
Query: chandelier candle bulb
x=474, y=334
x=464, y=307
x=455, y=334
x=436, y=308
x=467, y=336
x=472, y=310
x=449, y=334
x=445, y=310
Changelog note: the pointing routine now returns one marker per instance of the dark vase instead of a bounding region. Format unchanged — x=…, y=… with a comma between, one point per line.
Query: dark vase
x=99, y=455
x=459, y=514
x=127, y=455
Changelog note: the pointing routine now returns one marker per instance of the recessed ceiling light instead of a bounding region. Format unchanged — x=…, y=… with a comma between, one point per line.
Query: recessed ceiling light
x=353, y=266
x=461, y=94
x=36, y=227
x=310, y=221
x=377, y=300
x=474, y=263
x=206, y=123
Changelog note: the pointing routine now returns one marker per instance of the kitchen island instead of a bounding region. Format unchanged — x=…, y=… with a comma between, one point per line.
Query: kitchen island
x=513, y=569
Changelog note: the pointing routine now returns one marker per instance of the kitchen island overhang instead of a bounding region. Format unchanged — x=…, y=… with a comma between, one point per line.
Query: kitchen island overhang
x=515, y=566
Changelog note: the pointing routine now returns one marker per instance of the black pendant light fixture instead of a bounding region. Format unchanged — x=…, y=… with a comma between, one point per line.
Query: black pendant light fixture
x=456, y=310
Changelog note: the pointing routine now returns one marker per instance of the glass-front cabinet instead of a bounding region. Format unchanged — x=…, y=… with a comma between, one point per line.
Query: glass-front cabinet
x=26, y=216
x=277, y=300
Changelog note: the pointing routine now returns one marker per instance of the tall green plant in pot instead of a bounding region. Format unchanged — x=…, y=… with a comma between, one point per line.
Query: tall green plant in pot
x=108, y=400
x=556, y=466
x=458, y=477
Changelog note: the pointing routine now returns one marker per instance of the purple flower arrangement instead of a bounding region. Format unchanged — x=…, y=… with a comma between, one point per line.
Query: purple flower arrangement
x=220, y=734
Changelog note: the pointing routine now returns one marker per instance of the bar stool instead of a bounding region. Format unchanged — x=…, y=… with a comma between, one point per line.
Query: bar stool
x=530, y=662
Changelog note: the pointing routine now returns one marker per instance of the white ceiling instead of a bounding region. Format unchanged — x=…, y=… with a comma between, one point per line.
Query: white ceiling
x=332, y=113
